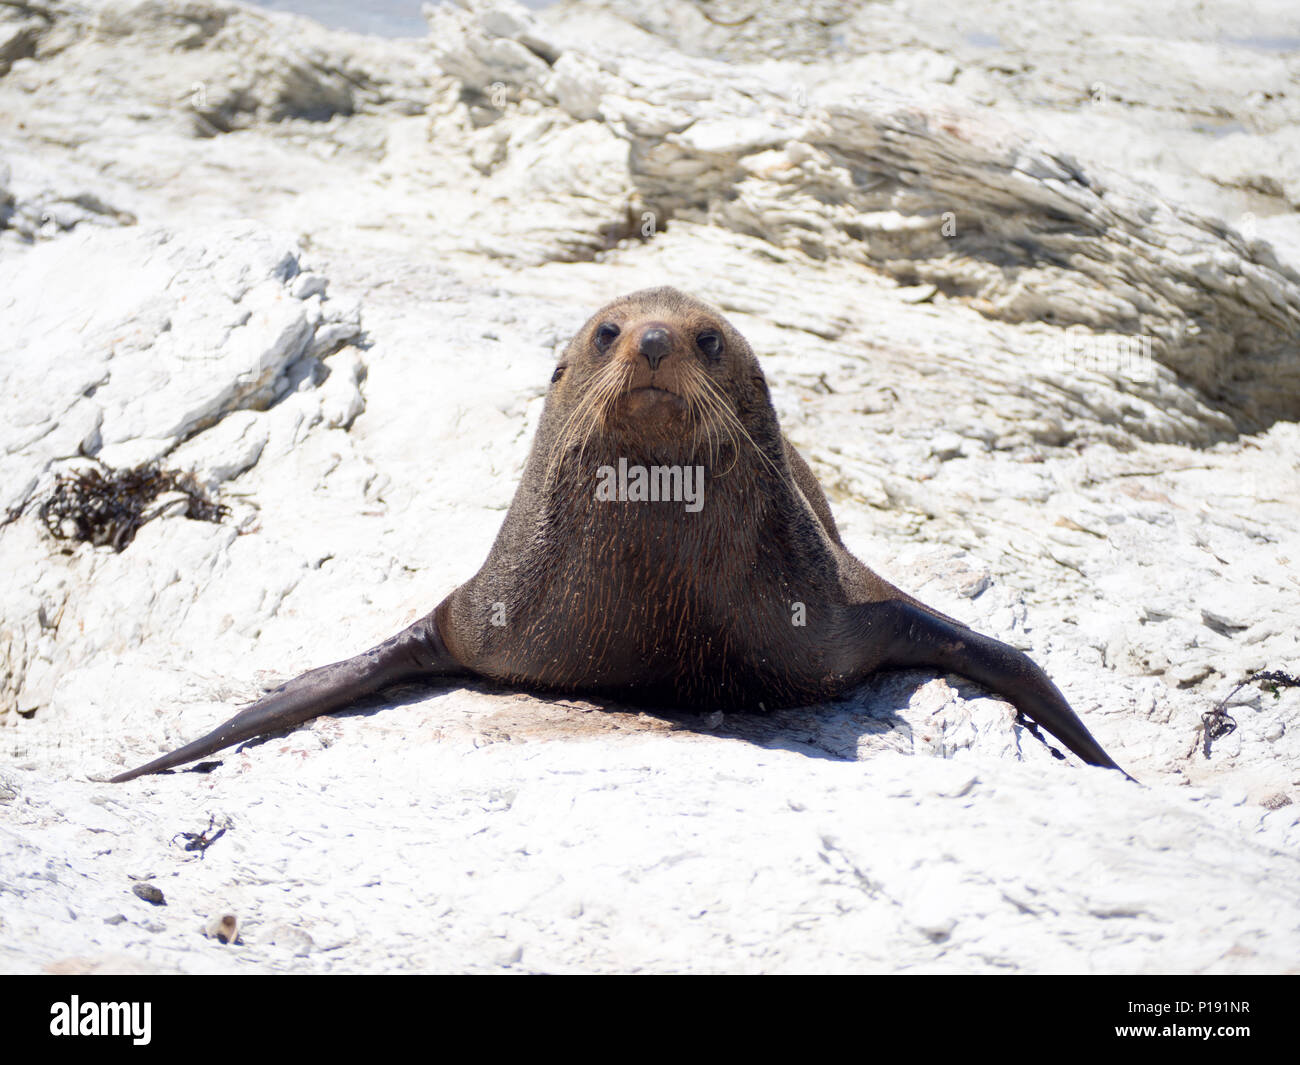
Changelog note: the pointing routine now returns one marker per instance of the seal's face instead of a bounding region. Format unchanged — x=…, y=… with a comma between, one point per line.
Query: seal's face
x=656, y=369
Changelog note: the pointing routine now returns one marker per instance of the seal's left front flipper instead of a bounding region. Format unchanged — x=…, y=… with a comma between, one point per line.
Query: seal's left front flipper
x=899, y=635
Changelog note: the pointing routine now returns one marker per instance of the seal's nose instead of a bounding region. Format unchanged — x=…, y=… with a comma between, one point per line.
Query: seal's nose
x=655, y=345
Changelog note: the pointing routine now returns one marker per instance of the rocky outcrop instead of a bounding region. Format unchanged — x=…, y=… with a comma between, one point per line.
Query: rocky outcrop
x=927, y=191
x=1031, y=324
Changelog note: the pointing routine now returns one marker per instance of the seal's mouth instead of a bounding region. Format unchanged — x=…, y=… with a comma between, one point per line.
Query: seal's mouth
x=650, y=400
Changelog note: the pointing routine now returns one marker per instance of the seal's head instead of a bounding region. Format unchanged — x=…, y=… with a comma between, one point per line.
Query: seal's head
x=658, y=371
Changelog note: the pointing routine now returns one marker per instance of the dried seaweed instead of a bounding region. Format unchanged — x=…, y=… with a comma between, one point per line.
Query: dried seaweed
x=107, y=509
x=1218, y=723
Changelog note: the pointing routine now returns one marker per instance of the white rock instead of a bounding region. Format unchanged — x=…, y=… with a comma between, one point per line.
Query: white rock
x=1120, y=527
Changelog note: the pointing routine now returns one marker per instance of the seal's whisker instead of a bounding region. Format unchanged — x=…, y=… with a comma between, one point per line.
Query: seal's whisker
x=704, y=406
x=588, y=411
x=691, y=393
x=730, y=418
x=609, y=385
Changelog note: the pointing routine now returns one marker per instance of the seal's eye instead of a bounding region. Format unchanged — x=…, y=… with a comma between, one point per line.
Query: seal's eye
x=606, y=334
x=710, y=343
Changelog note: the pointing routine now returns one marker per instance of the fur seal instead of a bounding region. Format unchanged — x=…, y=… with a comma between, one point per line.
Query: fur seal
x=596, y=586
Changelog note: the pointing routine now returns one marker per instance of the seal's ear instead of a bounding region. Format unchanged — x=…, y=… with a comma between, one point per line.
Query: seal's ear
x=559, y=370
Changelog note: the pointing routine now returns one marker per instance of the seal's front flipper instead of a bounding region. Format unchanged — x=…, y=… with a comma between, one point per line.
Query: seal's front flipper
x=899, y=635
x=415, y=653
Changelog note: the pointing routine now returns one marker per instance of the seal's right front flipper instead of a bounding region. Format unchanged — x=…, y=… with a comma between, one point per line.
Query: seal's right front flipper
x=415, y=653
x=901, y=635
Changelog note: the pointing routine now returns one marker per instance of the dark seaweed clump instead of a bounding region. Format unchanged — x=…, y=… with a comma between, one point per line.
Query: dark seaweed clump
x=107, y=509
x=1219, y=723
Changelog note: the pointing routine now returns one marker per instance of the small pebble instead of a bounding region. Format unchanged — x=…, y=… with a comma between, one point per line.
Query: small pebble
x=149, y=893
